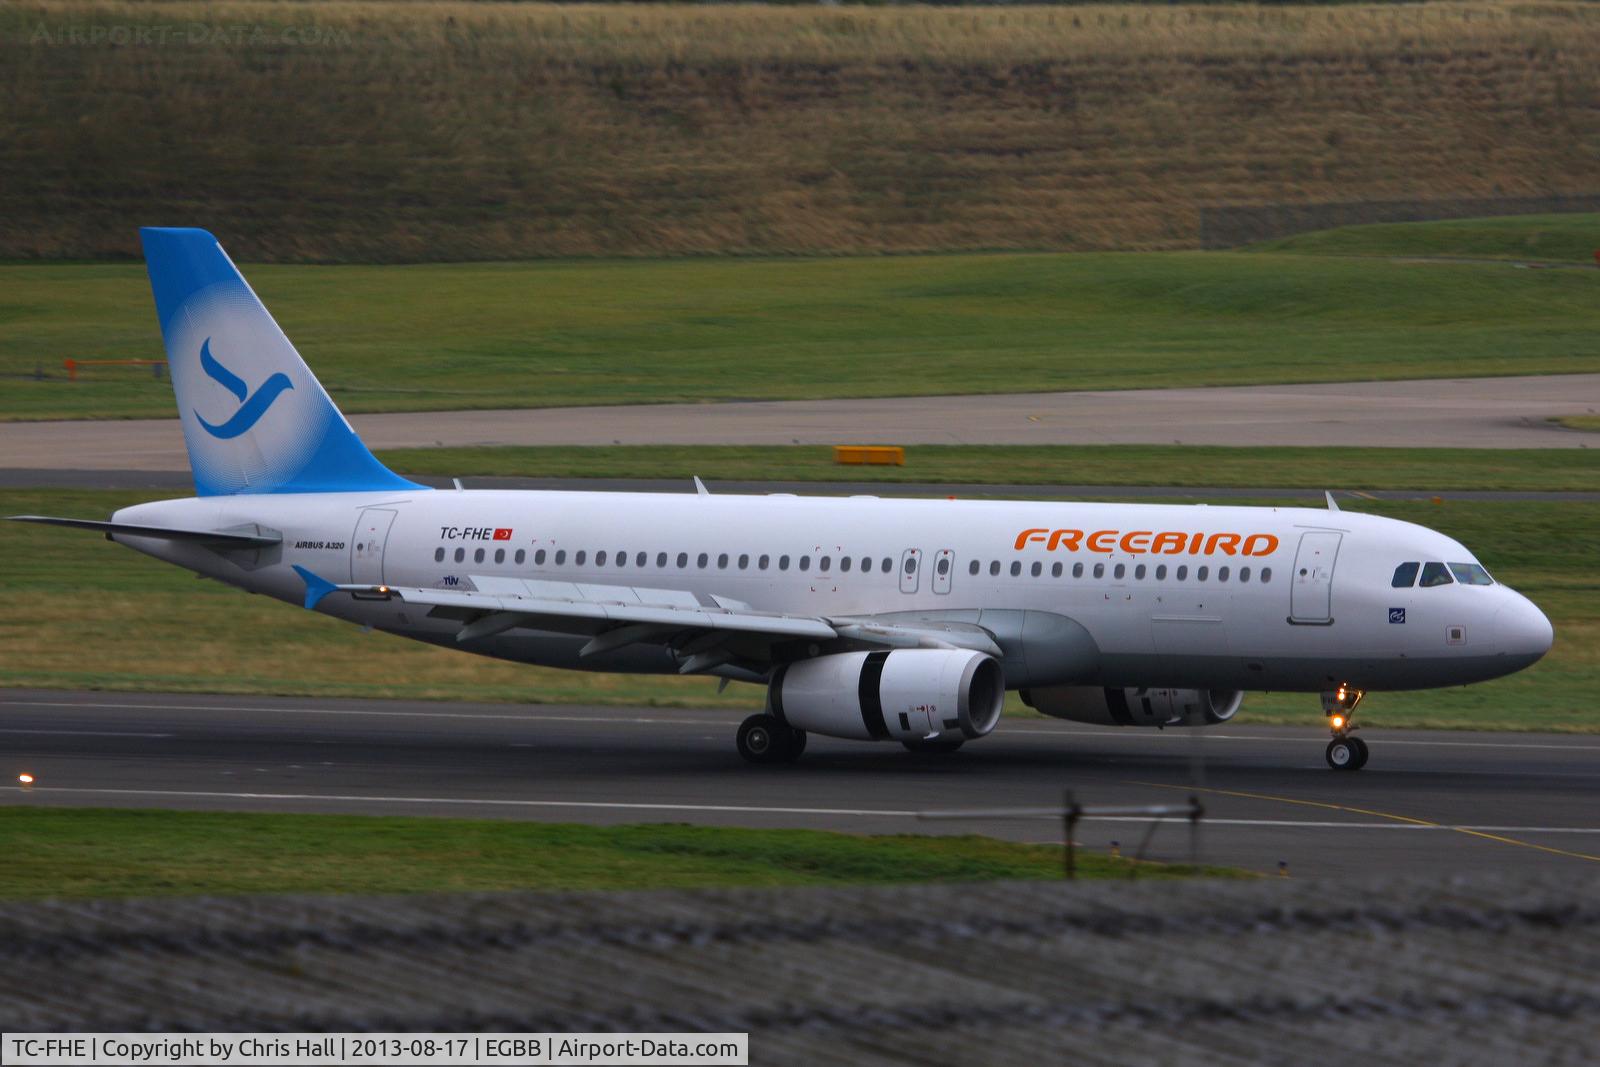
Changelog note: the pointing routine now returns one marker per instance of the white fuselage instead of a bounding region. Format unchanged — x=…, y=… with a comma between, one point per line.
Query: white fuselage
x=1167, y=595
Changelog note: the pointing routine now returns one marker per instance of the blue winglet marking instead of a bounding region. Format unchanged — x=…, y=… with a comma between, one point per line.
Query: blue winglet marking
x=316, y=587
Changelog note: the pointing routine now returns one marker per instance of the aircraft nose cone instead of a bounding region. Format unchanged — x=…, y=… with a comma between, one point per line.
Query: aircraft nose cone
x=1522, y=630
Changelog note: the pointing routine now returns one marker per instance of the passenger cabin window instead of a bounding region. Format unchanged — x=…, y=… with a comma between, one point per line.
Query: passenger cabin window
x=783, y=563
x=1244, y=574
x=763, y=561
x=438, y=555
x=1266, y=574
x=477, y=557
x=1119, y=571
x=561, y=556
x=499, y=555
x=888, y=564
x=1435, y=574
x=1055, y=570
x=973, y=567
x=521, y=555
x=1138, y=572
x=994, y=566
x=579, y=558
x=701, y=560
x=1099, y=570
x=744, y=561
x=1183, y=572
x=805, y=563
x=1405, y=575
x=461, y=554
x=1077, y=570
x=641, y=559
x=943, y=566
x=722, y=561
x=1201, y=573
x=683, y=560
x=1471, y=574
x=599, y=559
x=661, y=559
x=1016, y=567
x=1161, y=572
x=538, y=558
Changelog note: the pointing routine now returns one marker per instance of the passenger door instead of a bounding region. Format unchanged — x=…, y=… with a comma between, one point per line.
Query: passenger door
x=366, y=545
x=1311, y=591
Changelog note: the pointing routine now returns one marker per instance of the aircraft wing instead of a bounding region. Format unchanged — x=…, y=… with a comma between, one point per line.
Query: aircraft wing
x=706, y=631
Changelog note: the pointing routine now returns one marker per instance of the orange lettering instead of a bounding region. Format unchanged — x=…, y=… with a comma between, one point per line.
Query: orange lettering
x=1136, y=542
x=1194, y=544
x=1226, y=543
x=1169, y=543
x=1069, y=538
x=1268, y=545
x=1029, y=535
x=1103, y=541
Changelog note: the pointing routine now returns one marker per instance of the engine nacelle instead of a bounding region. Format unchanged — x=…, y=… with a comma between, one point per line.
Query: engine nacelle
x=907, y=694
x=1135, y=707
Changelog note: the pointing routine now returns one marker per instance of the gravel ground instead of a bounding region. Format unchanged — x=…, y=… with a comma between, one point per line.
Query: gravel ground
x=1492, y=969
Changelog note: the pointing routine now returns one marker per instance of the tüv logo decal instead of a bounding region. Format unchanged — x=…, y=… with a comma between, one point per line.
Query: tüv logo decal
x=251, y=405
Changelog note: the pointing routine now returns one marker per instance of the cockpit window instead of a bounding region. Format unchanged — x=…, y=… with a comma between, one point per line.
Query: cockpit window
x=1434, y=574
x=1471, y=574
x=1405, y=575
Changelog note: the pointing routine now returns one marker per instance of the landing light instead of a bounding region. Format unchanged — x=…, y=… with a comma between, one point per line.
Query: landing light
x=25, y=780
x=1338, y=720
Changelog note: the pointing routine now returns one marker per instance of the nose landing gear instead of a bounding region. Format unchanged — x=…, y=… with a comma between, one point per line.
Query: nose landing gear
x=1346, y=752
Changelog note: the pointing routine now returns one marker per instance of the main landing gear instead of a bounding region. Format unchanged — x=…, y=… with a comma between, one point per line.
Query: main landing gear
x=1346, y=752
x=763, y=739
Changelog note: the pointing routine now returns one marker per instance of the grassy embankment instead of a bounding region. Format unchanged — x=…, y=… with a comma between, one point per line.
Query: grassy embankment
x=1536, y=238
x=1425, y=470
x=540, y=334
x=435, y=131
x=64, y=852
x=82, y=613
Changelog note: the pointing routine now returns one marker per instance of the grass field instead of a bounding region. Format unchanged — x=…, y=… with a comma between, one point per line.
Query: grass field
x=82, y=613
x=1540, y=238
x=1587, y=423
x=87, y=852
x=1422, y=469
x=463, y=131
x=584, y=332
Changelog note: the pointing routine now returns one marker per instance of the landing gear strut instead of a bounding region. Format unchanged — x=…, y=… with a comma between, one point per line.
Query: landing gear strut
x=1346, y=752
x=764, y=739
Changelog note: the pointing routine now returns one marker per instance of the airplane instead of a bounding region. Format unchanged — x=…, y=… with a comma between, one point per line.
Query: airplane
x=865, y=619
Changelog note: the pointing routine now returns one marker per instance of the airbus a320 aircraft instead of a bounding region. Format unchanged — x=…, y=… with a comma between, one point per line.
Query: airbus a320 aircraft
x=868, y=619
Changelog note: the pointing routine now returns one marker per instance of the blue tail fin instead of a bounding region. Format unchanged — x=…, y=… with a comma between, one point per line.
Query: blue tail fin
x=255, y=419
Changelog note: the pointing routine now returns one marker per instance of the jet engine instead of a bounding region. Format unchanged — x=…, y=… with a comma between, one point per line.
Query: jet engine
x=1135, y=707
x=911, y=695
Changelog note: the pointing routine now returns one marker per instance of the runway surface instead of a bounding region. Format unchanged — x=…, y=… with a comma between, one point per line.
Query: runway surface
x=1428, y=803
x=181, y=483
x=1467, y=413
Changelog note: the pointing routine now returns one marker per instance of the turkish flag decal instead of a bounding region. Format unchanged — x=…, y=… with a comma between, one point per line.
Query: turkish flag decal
x=502, y=533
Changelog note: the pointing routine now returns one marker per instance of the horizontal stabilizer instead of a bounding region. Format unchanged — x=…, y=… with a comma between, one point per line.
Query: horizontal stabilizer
x=167, y=533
